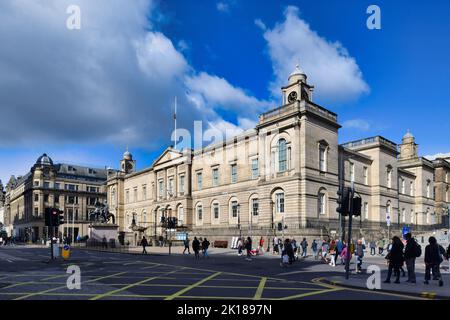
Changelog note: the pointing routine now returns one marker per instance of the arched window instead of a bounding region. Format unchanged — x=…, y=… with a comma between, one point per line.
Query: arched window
x=412, y=216
x=199, y=212
x=282, y=155
x=144, y=218
x=428, y=188
x=215, y=210
x=389, y=176
x=180, y=215
x=279, y=202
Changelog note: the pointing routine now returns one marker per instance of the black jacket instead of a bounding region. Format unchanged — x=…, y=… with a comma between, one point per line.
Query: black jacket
x=395, y=256
x=410, y=249
x=433, y=254
x=205, y=244
x=196, y=245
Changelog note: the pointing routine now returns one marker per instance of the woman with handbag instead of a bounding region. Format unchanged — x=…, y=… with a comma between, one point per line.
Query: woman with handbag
x=395, y=259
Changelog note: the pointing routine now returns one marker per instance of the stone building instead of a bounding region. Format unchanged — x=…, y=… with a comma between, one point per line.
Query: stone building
x=282, y=178
x=73, y=189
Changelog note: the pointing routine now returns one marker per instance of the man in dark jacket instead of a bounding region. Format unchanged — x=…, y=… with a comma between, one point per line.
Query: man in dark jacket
x=144, y=244
x=433, y=259
x=410, y=257
x=248, y=248
x=395, y=258
x=196, y=247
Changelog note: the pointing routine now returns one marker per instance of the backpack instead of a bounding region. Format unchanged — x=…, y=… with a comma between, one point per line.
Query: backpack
x=418, y=249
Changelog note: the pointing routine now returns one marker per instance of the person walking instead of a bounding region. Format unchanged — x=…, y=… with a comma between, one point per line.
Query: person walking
x=332, y=252
x=412, y=251
x=248, y=247
x=144, y=244
x=359, y=253
x=289, y=250
x=380, y=247
x=275, y=245
x=186, y=246
x=395, y=258
x=372, y=246
x=325, y=247
x=314, y=248
x=344, y=254
x=304, y=245
x=261, y=245
x=205, y=246
x=240, y=246
x=196, y=248
x=433, y=260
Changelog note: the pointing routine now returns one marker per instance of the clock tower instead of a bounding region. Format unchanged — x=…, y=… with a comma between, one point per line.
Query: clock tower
x=127, y=164
x=408, y=148
x=297, y=89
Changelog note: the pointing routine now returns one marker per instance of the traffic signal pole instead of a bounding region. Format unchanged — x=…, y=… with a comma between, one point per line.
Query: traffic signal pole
x=51, y=242
x=347, y=260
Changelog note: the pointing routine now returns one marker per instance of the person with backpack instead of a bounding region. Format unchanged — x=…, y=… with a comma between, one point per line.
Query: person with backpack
x=372, y=246
x=186, y=246
x=314, y=248
x=304, y=245
x=205, y=246
x=196, y=248
x=412, y=251
x=433, y=259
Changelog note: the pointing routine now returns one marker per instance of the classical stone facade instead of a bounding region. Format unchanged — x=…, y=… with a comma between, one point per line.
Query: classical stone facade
x=282, y=178
x=73, y=189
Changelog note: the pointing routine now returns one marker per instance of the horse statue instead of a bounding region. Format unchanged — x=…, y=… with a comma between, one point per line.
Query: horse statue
x=101, y=214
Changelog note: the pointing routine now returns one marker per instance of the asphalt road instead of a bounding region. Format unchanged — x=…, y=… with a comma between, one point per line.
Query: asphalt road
x=26, y=274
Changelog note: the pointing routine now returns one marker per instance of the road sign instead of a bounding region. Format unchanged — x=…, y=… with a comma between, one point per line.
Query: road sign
x=388, y=220
x=405, y=230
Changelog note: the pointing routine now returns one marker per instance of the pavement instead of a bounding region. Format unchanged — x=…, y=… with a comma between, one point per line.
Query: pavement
x=27, y=274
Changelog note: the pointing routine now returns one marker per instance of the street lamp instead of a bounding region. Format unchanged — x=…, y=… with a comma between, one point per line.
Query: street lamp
x=238, y=207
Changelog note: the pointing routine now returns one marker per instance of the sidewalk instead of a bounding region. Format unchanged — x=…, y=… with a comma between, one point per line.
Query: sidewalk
x=418, y=289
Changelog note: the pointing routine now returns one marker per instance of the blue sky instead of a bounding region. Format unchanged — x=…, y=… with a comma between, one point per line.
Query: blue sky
x=83, y=96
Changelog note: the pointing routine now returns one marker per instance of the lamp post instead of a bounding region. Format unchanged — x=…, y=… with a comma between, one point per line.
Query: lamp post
x=238, y=207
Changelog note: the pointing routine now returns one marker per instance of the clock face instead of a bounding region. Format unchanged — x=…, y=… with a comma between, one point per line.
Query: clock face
x=292, y=97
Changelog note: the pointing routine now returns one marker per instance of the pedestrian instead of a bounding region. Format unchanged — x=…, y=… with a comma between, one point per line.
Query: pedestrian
x=412, y=251
x=104, y=242
x=359, y=253
x=144, y=243
x=293, y=244
x=196, y=248
x=325, y=247
x=395, y=259
x=275, y=245
x=344, y=254
x=372, y=246
x=205, y=246
x=433, y=260
x=304, y=245
x=314, y=248
x=161, y=241
x=289, y=250
x=380, y=247
x=332, y=253
x=261, y=245
x=186, y=246
x=248, y=247
x=240, y=246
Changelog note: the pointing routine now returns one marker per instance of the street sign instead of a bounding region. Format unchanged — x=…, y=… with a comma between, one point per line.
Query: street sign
x=405, y=230
x=388, y=220
x=65, y=252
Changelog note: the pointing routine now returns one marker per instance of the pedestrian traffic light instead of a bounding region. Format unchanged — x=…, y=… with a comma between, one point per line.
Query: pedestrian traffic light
x=357, y=204
x=343, y=201
x=60, y=217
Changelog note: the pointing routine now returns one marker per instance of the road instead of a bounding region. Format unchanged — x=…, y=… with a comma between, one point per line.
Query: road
x=27, y=275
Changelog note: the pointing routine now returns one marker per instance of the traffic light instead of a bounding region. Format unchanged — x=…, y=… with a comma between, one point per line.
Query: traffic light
x=52, y=217
x=357, y=204
x=343, y=201
x=60, y=217
x=280, y=226
x=55, y=217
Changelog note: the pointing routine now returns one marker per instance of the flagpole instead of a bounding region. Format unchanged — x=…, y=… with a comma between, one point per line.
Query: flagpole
x=175, y=119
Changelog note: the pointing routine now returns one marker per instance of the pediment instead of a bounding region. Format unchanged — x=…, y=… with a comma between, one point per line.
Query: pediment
x=168, y=155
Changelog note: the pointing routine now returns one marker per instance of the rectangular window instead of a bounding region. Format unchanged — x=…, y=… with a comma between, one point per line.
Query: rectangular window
x=170, y=187
x=135, y=194
x=366, y=175
x=36, y=212
x=322, y=159
x=161, y=188
x=352, y=172
x=280, y=202
x=366, y=210
x=199, y=180
x=36, y=197
x=234, y=209
x=215, y=174
x=46, y=184
x=182, y=184
x=216, y=210
x=200, y=212
x=255, y=207
x=57, y=186
x=46, y=198
x=233, y=173
x=127, y=196
x=144, y=192
x=322, y=204
x=71, y=187
x=255, y=171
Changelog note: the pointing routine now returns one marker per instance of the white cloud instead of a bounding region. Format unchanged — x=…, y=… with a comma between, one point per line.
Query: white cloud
x=438, y=155
x=223, y=7
x=260, y=24
x=329, y=66
x=112, y=81
x=358, y=124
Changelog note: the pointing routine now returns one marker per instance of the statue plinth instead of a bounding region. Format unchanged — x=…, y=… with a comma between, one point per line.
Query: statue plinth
x=99, y=231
